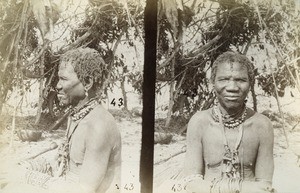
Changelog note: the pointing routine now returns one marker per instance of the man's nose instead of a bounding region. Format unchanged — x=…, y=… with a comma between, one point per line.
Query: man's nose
x=232, y=86
x=58, y=86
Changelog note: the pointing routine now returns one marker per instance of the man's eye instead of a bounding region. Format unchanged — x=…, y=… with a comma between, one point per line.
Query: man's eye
x=242, y=80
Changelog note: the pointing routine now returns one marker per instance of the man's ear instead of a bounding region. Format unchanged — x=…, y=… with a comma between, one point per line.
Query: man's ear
x=88, y=83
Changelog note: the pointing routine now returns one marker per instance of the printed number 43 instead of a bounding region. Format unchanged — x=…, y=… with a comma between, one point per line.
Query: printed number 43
x=120, y=102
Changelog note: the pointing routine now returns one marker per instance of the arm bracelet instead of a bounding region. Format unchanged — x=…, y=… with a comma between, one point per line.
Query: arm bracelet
x=37, y=179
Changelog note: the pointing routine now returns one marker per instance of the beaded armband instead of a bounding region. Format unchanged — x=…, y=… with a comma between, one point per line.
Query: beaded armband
x=37, y=179
x=227, y=185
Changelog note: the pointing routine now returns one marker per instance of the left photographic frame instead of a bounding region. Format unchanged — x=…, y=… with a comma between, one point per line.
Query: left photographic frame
x=71, y=104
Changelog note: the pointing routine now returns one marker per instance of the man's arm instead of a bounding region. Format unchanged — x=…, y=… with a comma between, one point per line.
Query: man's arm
x=264, y=167
x=99, y=142
x=194, y=157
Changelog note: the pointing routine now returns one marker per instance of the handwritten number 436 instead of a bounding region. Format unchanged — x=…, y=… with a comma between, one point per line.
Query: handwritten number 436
x=118, y=102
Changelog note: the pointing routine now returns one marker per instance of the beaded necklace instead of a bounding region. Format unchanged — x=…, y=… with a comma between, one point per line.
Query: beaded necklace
x=77, y=114
x=231, y=166
x=81, y=112
x=229, y=121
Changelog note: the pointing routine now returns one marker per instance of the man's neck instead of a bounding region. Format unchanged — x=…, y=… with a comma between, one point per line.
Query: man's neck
x=232, y=111
x=81, y=103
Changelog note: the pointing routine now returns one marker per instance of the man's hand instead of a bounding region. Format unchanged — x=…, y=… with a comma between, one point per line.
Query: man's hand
x=16, y=172
x=256, y=187
x=39, y=165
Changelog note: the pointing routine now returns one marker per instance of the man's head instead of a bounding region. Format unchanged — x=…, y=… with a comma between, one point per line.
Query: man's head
x=81, y=71
x=233, y=57
x=232, y=75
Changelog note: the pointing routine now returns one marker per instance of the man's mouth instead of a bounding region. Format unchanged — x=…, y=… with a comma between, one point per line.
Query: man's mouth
x=232, y=98
x=60, y=95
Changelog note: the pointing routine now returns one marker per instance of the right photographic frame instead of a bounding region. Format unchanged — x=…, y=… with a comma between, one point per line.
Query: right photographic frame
x=227, y=96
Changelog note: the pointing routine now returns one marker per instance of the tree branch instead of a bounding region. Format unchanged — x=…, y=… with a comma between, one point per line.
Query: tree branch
x=75, y=43
x=168, y=60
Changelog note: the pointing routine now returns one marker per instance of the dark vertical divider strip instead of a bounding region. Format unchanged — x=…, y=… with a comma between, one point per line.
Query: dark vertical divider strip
x=147, y=149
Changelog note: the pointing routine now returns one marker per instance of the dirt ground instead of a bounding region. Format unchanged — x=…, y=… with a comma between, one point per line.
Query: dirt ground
x=168, y=157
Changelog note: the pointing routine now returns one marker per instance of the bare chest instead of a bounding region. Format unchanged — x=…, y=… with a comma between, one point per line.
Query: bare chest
x=214, y=140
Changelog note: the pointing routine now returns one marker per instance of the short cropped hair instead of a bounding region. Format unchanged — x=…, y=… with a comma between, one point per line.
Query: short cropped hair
x=87, y=63
x=233, y=57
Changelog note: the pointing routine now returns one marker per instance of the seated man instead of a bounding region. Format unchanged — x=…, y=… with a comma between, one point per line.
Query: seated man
x=89, y=160
x=229, y=146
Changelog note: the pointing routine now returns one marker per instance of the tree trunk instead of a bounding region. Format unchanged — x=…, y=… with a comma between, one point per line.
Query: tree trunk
x=124, y=94
x=5, y=85
x=1, y=105
x=279, y=109
x=41, y=88
x=171, y=97
x=254, y=97
x=13, y=126
x=171, y=104
x=295, y=63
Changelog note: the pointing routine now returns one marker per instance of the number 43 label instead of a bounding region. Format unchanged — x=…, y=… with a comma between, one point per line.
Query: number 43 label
x=118, y=102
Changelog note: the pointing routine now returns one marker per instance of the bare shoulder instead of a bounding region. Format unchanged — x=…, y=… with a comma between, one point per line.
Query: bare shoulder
x=101, y=124
x=100, y=116
x=201, y=116
x=262, y=123
x=198, y=120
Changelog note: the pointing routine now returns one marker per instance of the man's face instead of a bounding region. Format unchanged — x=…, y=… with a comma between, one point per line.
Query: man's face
x=231, y=85
x=70, y=89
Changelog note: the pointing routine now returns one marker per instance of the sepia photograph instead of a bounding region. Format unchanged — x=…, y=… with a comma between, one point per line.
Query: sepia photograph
x=71, y=95
x=130, y=96
x=227, y=96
